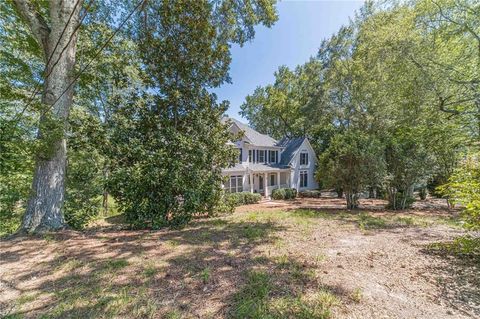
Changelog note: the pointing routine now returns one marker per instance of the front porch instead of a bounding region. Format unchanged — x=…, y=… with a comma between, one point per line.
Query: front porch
x=265, y=182
x=262, y=182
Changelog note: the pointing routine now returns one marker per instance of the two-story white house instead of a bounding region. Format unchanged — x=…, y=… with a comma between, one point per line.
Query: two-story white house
x=265, y=164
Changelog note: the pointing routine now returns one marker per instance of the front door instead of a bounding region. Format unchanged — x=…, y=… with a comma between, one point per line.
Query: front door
x=260, y=182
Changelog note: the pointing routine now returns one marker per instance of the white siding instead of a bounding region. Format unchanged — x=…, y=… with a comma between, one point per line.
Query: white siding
x=310, y=167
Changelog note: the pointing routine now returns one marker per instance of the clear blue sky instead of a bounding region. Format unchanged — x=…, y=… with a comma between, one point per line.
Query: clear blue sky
x=296, y=36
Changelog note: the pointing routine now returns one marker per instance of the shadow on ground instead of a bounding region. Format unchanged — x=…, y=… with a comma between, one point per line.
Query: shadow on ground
x=204, y=270
x=458, y=272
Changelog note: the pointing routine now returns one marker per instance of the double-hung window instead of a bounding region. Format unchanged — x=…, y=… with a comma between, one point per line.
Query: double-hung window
x=240, y=155
x=272, y=156
x=303, y=158
x=250, y=158
x=261, y=156
x=234, y=184
x=303, y=178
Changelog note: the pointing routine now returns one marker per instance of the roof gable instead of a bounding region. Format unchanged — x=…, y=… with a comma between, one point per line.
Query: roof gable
x=291, y=146
x=252, y=136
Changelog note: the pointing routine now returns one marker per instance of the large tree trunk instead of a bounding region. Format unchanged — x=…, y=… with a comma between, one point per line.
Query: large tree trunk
x=45, y=206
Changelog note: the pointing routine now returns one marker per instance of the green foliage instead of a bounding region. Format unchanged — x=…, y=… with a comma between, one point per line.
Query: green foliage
x=149, y=178
x=464, y=246
x=170, y=150
x=85, y=180
x=290, y=193
x=243, y=198
x=278, y=193
x=251, y=302
x=367, y=221
x=256, y=299
x=463, y=187
x=433, y=184
x=408, y=161
x=422, y=193
x=16, y=166
x=348, y=164
x=169, y=145
x=284, y=193
x=386, y=101
x=20, y=64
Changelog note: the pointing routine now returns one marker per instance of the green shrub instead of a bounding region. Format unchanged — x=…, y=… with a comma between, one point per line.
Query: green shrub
x=463, y=188
x=422, y=193
x=85, y=179
x=434, y=183
x=290, y=193
x=284, y=193
x=279, y=193
x=243, y=198
x=400, y=200
x=310, y=194
x=251, y=198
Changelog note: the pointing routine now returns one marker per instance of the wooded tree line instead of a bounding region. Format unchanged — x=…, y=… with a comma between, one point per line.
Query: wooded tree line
x=391, y=103
x=102, y=98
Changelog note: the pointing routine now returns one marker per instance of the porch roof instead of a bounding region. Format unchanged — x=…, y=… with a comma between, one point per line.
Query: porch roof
x=257, y=167
x=261, y=167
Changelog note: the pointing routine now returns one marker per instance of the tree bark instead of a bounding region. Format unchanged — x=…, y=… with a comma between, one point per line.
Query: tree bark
x=45, y=205
x=352, y=200
x=105, y=191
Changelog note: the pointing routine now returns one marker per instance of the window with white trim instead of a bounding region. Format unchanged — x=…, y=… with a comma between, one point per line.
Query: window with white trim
x=250, y=158
x=272, y=156
x=303, y=178
x=304, y=158
x=234, y=184
x=240, y=155
x=261, y=156
x=272, y=180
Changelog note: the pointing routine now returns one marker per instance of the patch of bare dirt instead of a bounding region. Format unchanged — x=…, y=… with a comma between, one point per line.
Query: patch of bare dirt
x=195, y=272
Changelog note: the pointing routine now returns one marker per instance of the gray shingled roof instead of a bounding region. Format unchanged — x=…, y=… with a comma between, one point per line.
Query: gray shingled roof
x=255, y=137
x=291, y=147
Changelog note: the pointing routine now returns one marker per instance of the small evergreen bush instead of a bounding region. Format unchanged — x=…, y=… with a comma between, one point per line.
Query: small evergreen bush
x=243, y=198
x=279, y=193
x=290, y=193
x=284, y=193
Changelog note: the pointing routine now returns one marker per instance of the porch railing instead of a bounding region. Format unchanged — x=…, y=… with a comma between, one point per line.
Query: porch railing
x=277, y=186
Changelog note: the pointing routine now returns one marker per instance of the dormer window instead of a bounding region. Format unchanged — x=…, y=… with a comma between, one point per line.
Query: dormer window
x=304, y=158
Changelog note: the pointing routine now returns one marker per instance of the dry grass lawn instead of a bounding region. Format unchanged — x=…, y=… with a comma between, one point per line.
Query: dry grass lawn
x=303, y=259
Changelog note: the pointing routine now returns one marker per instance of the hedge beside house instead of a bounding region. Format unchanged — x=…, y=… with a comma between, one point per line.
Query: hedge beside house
x=284, y=193
x=243, y=198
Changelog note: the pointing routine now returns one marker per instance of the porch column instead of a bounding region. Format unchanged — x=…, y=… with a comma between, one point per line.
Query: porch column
x=265, y=182
x=251, y=183
x=278, y=179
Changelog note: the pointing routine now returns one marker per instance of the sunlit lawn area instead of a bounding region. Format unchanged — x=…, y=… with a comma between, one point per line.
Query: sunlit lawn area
x=265, y=263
